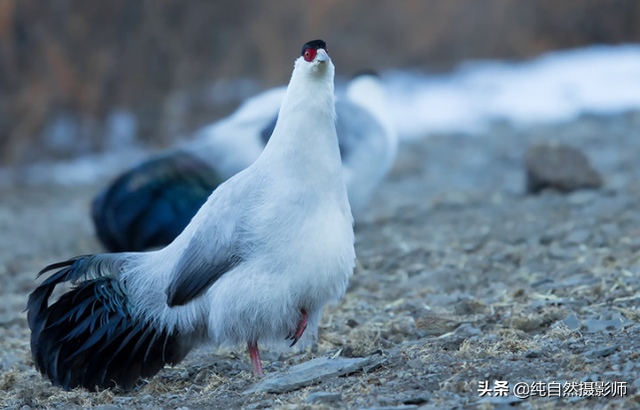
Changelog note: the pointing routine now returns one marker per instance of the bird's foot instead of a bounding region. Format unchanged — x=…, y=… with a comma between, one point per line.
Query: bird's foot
x=256, y=364
x=302, y=325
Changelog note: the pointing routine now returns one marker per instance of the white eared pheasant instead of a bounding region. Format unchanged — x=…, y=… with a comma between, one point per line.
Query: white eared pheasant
x=269, y=248
x=149, y=205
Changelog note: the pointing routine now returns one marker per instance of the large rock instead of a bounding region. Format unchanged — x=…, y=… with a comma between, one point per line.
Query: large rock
x=559, y=167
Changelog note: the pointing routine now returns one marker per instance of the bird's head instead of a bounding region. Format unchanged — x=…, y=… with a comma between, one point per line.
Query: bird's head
x=313, y=73
x=314, y=58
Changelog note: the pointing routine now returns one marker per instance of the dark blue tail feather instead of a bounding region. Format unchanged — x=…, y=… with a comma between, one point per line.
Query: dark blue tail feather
x=151, y=204
x=89, y=336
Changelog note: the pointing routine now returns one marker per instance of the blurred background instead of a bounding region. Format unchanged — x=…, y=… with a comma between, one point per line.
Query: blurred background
x=79, y=77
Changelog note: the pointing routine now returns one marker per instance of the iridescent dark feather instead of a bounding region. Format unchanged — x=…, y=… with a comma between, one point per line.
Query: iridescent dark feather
x=151, y=204
x=89, y=337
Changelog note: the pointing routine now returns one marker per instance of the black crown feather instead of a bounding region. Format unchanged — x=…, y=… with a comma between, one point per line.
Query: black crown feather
x=315, y=44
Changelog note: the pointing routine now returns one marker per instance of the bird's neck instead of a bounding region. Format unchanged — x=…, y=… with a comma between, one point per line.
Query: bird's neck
x=304, y=140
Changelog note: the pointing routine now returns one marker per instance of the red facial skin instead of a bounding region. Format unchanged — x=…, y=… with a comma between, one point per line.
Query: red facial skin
x=310, y=54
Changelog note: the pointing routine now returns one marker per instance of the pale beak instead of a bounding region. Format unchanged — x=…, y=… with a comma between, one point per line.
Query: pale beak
x=322, y=56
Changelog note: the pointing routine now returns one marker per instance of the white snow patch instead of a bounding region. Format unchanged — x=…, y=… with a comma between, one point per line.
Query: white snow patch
x=557, y=86
x=83, y=170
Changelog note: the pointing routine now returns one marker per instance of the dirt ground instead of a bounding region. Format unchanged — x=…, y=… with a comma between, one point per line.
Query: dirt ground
x=520, y=288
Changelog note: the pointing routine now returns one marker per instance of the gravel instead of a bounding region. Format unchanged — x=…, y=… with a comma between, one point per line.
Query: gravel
x=462, y=278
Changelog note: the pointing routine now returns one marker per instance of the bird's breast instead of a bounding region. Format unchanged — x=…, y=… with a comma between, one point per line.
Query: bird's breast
x=322, y=255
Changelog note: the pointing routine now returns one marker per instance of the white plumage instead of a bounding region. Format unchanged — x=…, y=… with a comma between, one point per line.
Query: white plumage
x=288, y=217
x=270, y=247
x=367, y=139
x=151, y=204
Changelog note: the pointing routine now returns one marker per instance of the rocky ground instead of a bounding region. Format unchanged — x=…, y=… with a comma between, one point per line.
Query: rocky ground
x=462, y=278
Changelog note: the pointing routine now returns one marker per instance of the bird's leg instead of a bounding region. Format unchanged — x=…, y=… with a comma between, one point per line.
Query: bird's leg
x=256, y=364
x=302, y=325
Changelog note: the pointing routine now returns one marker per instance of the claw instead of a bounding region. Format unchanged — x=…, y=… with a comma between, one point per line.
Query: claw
x=300, y=329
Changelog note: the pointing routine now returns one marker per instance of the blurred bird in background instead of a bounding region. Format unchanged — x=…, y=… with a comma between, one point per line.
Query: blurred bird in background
x=270, y=247
x=149, y=205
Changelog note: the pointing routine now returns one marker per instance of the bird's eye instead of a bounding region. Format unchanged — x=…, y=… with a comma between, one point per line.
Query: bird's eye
x=309, y=54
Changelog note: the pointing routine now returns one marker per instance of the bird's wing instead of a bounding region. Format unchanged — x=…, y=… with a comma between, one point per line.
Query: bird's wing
x=357, y=130
x=214, y=244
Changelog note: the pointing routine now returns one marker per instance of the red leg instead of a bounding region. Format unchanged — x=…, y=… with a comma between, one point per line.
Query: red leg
x=300, y=329
x=255, y=359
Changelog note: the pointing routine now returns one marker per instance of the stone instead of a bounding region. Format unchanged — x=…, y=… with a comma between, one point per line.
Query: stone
x=415, y=364
x=572, y=322
x=577, y=237
x=603, y=352
x=559, y=167
x=324, y=398
x=560, y=253
x=265, y=404
x=533, y=354
x=602, y=325
x=430, y=324
x=417, y=400
x=407, y=407
x=312, y=372
x=470, y=307
x=580, y=198
x=108, y=407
